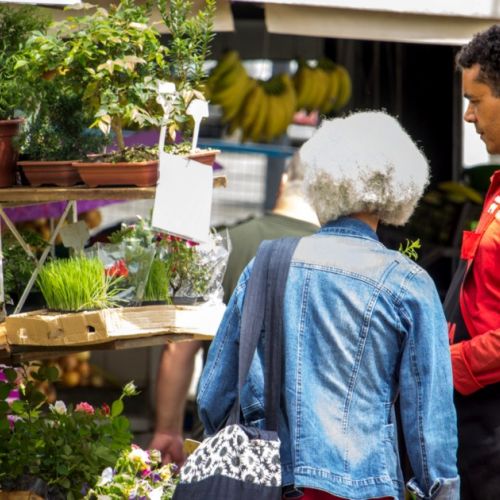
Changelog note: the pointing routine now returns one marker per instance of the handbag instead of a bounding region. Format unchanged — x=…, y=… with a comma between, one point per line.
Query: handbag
x=241, y=462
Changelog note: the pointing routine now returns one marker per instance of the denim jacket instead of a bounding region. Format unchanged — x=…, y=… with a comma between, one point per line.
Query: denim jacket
x=362, y=325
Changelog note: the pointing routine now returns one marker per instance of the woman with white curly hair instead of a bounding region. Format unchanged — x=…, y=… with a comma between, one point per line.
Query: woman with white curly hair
x=362, y=325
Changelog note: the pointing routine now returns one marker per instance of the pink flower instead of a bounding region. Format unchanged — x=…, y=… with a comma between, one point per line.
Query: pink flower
x=145, y=473
x=85, y=407
x=105, y=409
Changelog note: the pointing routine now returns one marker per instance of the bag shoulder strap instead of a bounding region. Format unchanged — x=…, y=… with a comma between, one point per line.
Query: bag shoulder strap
x=279, y=267
x=264, y=292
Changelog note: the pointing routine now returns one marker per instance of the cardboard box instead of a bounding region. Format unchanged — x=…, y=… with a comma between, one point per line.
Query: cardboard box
x=45, y=328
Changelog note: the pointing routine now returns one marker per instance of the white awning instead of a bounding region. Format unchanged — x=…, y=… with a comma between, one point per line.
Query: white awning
x=450, y=22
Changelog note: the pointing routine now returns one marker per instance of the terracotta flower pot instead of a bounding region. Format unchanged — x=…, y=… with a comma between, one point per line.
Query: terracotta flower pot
x=141, y=174
x=50, y=173
x=206, y=157
x=8, y=154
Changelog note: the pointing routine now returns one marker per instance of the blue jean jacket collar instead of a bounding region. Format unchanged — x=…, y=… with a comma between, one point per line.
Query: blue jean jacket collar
x=349, y=226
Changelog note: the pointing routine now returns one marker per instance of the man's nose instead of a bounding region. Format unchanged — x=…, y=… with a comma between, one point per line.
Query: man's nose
x=469, y=115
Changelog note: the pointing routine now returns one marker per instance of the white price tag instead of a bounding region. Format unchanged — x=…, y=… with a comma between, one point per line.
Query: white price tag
x=183, y=200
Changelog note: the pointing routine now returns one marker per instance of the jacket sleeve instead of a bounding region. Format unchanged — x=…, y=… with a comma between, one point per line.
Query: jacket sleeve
x=426, y=391
x=218, y=383
x=476, y=362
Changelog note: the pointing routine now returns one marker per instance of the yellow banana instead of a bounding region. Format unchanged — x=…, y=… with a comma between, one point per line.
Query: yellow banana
x=224, y=95
x=333, y=90
x=302, y=85
x=272, y=123
x=345, y=89
x=322, y=88
x=250, y=108
x=234, y=96
x=227, y=61
x=229, y=78
x=260, y=119
x=312, y=89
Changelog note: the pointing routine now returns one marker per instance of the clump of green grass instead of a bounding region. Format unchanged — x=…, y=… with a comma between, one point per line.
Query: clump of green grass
x=158, y=284
x=77, y=284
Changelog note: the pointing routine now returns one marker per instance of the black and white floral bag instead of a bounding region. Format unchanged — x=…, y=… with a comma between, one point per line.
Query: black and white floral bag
x=241, y=462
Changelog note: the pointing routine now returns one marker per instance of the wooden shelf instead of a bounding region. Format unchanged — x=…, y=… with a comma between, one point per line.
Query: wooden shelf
x=16, y=354
x=23, y=195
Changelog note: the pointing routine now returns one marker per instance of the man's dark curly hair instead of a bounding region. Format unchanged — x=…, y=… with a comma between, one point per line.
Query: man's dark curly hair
x=484, y=49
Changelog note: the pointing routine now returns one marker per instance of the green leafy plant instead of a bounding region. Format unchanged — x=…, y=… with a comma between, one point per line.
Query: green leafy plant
x=65, y=447
x=177, y=264
x=16, y=25
x=114, y=59
x=18, y=266
x=113, y=56
x=136, y=474
x=410, y=248
x=57, y=130
x=158, y=284
x=78, y=283
x=189, y=46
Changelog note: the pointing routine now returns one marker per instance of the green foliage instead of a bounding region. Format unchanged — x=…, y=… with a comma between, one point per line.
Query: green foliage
x=190, y=38
x=181, y=263
x=136, y=474
x=185, y=267
x=66, y=447
x=410, y=248
x=16, y=25
x=18, y=266
x=158, y=284
x=189, y=46
x=57, y=129
x=113, y=57
x=77, y=284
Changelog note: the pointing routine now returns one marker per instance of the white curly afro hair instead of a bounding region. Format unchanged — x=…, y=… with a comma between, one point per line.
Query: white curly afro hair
x=364, y=162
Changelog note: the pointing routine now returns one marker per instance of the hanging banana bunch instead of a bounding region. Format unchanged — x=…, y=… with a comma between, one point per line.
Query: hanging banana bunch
x=326, y=87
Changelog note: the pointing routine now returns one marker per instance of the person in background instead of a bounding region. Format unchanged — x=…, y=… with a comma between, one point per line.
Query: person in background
x=472, y=304
x=291, y=216
x=362, y=324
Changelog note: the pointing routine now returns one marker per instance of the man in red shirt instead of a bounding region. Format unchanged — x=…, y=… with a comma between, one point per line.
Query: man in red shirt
x=473, y=301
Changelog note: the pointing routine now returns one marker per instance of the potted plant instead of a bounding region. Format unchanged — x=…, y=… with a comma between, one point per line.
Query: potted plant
x=54, y=137
x=56, y=450
x=117, y=58
x=78, y=284
x=182, y=272
x=16, y=24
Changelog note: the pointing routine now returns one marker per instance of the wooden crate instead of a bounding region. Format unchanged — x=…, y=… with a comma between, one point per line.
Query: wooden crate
x=43, y=328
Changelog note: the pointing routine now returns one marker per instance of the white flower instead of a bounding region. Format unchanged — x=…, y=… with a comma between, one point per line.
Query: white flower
x=58, y=407
x=106, y=476
x=130, y=389
x=156, y=493
x=139, y=455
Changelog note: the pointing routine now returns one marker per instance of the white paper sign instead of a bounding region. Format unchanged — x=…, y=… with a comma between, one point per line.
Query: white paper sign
x=183, y=200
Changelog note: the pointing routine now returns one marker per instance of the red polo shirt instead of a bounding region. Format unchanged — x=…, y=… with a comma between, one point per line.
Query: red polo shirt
x=476, y=362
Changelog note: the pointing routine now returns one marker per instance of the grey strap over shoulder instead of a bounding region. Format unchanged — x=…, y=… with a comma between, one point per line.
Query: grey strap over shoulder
x=263, y=313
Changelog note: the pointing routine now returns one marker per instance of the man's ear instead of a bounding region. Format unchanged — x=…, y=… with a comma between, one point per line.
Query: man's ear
x=282, y=184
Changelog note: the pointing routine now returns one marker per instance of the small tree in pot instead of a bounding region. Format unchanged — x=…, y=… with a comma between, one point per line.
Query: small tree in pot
x=116, y=58
x=16, y=25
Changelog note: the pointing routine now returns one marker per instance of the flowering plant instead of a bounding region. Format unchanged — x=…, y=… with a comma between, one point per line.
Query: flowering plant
x=56, y=450
x=180, y=268
x=137, y=474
